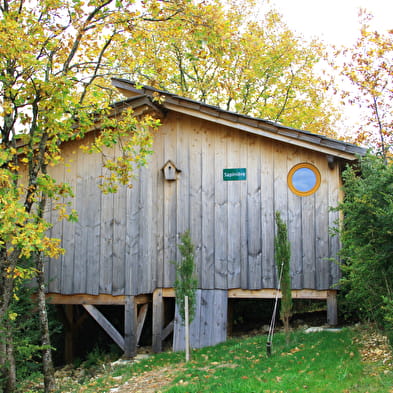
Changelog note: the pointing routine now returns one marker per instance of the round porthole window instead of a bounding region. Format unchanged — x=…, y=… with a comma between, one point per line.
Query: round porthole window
x=304, y=179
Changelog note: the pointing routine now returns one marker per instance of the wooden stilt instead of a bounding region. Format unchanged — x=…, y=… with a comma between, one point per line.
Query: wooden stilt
x=158, y=319
x=130, y=327
x=332, y=308
x=69, y=334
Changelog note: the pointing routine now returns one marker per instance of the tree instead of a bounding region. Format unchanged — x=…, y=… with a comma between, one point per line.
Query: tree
x=282, y=249
x=185, y=286
x=254, y=66
x=368, y=66
x=185, y=283
x=55, y=59
x=367, y=240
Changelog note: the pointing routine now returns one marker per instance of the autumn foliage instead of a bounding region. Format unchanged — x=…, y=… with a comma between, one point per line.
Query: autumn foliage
x=368, y=67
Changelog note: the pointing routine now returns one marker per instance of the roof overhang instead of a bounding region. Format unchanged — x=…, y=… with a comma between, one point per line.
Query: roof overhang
x=167, y=101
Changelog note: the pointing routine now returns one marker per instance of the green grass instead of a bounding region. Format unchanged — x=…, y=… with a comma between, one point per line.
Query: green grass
x=317, y=362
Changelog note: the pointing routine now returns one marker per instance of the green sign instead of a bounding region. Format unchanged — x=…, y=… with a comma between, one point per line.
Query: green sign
x=232, y=174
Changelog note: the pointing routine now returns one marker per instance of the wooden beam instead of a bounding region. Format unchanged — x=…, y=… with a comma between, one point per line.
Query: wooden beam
x=130, y=324
x=69, y=334
x=269, y=293
x=103, y=299
x=272, y=293
x=168, y=292
x=168, y=330
x=158, y=318
x=141, y=321
x=105, y=324
x=332, y=308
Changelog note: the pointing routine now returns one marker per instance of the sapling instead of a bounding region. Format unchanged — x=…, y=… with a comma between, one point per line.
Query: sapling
x=283, y=257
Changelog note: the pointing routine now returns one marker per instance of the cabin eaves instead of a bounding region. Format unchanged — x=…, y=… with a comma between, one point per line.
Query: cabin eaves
x=148, y=96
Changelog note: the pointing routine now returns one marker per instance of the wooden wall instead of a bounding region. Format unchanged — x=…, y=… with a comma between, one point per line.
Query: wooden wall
x=123, y=243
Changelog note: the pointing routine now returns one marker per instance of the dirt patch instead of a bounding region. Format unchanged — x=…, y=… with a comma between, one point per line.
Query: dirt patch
x=150, y=381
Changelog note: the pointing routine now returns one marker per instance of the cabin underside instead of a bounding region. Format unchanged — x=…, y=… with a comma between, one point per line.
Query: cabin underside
x=210, y=326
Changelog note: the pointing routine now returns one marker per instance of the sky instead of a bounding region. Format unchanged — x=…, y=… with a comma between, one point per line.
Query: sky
x=334, y=21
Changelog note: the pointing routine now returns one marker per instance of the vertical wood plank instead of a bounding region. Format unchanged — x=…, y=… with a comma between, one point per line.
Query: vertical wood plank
x=220, y=316
x=158, y=197
x=234, y=211
x=221, y=213
x=144, y=272
x=322, y=264
x=195, y=203
x=52, y=266
x=280, y=187
x=81, y=233
x=243, y=225
x=254, y=231
x=295, y=234
x=308, y=231
x=133, y=219
x=183, y=127
x=195, y=339
x=170, y=206
x=267, y=214
x=118, y=244
x=80, y=263
x=106, y=244
x=68, y=228
x=335, y=196
x=209, y=170
x=93, y=225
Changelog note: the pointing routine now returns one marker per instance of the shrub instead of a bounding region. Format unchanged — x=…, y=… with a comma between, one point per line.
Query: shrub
x=367, y=239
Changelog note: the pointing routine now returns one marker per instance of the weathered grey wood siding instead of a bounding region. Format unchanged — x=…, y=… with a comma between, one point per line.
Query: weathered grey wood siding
x=209, y=326
x=124, y=243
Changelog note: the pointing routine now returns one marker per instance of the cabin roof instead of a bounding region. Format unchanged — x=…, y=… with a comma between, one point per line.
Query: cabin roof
x=149, y=97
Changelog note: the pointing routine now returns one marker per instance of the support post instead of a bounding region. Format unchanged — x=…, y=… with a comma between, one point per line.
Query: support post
x=130, y=327
x=158, y=319
x=69, y=334
x=332, y=308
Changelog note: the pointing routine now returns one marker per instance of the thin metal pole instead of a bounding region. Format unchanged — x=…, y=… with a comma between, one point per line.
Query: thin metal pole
x=187, y=328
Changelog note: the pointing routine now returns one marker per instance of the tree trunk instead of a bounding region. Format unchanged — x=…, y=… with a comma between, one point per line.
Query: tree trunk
x=287, y=330
x=7, y=356
x=7, y=361
x=11, y=367
x=47, y=363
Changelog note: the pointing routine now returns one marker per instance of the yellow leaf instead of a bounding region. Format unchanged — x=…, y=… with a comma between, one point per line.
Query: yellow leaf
x=12, y=316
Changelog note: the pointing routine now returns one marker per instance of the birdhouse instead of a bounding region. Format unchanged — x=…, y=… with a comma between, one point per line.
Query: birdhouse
x=170, y=171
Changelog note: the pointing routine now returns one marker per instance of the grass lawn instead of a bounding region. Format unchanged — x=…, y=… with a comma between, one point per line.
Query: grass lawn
x=316, y=362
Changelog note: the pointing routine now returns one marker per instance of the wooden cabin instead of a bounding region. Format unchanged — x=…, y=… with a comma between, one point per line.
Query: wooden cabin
x=220, y=175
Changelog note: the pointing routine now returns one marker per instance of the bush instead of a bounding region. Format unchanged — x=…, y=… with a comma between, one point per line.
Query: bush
x=367, y=240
